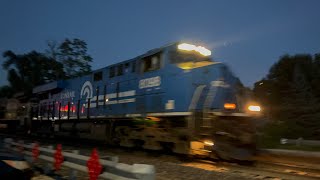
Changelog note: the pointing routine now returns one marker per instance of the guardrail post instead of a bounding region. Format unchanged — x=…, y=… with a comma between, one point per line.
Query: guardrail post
x=73, y=173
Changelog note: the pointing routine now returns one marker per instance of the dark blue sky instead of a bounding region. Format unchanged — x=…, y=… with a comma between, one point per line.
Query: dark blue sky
x=248, y=35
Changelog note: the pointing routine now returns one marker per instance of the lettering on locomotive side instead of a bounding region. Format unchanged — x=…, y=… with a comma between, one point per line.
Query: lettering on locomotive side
x=150, y=82
x=68, y=94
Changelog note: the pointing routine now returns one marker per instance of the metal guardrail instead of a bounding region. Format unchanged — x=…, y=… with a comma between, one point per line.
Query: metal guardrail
x=300, y=142
x=111, y=168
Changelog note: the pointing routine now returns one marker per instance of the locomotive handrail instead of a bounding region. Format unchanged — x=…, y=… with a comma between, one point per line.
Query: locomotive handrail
x=112, y=169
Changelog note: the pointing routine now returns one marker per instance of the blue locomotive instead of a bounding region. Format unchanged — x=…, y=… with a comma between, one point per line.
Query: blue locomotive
x=174, y=98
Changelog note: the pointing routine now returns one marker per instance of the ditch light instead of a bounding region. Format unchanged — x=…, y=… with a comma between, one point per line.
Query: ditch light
x=254, y=108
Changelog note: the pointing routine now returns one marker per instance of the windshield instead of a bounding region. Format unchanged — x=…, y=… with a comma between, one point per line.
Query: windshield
x=189, y=59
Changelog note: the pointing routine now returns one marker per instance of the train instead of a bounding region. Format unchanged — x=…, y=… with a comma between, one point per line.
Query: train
x=175, y=98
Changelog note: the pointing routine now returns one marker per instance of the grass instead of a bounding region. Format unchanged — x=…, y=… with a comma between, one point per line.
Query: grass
x=270, y=136
x=265, y=143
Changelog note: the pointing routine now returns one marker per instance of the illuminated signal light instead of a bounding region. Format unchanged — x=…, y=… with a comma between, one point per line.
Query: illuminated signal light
x=230, y=106
x=254, y=108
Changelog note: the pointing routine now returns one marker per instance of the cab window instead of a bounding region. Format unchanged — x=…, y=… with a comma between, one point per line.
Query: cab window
x=97, y=76
x=120, y=70
x=151, y=63
x=133, y=66
x=126, y=67
x=112, y=72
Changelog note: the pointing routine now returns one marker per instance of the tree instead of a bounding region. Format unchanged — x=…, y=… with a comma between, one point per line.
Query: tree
x=66, y=60
x=243, y=95
x=28, y=70
x=316, y=76
x=73, y=55
x=291, y=92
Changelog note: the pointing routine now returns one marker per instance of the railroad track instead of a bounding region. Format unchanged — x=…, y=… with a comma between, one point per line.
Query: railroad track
x=170, y=167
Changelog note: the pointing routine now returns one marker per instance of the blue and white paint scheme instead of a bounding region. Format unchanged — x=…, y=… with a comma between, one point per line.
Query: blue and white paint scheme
x=163, y=81
x=170, y=98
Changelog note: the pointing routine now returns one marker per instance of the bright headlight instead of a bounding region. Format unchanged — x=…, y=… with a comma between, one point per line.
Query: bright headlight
x=189, y=47
x=186, y=47
x=208, y=143
x=254, y=108
x=203, y=51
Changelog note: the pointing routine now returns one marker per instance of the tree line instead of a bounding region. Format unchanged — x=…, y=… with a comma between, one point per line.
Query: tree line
x=67, y=59
x=290, y=95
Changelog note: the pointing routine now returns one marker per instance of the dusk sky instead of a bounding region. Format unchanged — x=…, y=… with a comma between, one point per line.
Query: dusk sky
x=248, y=35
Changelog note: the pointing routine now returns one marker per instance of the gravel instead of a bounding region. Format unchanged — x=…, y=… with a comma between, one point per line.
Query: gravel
x=167, y=167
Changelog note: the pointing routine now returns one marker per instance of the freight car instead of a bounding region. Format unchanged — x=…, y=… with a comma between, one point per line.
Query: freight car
x=174, y=98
